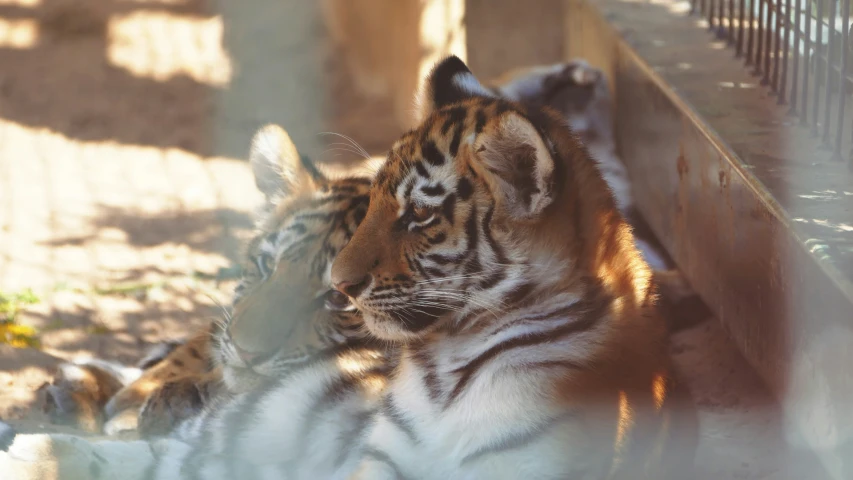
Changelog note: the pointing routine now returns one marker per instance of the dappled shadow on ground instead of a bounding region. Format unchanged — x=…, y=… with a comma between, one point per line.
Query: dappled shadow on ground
x=106, y=70
x=115, y=324
x=210, y=230
x=112, y=210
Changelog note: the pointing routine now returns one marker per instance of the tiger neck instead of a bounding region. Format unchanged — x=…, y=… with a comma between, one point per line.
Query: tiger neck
x=534, y=292
x=545, y=334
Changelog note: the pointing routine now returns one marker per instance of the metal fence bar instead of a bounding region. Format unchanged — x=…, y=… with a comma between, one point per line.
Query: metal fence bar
x=784, y=23
x=751, y=38
x=730, y=30
x=759, y=37
x=801, y=50
x=777, y=34
x=795, y=75
x=842, y=78
x=768, y=32
x=807, y=50
x=741, y=12
x=710, y=13
x=816, y=98
x=777, y=49
x=827, y=107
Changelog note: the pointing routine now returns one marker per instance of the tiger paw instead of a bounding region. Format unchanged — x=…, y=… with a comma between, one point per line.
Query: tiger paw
x=565, y=86
x=173, y=403
x=575, y=73
x=579, y=92
x=80, y=389
x=679, y=304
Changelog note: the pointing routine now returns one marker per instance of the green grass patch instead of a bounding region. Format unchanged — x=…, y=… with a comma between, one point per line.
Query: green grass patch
x=133, y=289
x=11, y=304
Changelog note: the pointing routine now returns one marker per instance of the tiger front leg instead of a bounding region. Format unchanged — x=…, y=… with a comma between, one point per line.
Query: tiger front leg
x=177, y=401
x=80, y=389
x=154, y=400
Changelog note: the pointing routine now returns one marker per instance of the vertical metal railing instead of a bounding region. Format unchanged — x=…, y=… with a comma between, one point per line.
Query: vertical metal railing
x=801, y=51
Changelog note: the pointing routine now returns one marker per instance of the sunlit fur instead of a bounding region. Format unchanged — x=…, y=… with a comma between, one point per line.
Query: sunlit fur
x=580, y=94
x=493, y=250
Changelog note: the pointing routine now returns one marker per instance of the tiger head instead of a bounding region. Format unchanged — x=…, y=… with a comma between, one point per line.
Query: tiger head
x=284, y=309
x=486, y=204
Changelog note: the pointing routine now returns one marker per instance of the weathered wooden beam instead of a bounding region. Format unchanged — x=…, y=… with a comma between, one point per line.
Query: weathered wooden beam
x=756, y=214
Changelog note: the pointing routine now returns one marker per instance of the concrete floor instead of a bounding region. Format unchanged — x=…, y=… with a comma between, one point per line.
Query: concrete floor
x=742, y=429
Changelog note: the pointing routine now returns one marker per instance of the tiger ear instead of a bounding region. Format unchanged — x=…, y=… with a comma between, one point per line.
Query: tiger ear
x=278, y=168
x=450, y=81
x=513, y=151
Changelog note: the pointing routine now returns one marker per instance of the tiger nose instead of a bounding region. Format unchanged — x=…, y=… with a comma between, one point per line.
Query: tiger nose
x=352, y=288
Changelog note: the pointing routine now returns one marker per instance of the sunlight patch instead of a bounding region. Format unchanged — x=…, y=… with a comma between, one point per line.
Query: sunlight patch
x=19, y=34
x=21, y=3
x=162, y=46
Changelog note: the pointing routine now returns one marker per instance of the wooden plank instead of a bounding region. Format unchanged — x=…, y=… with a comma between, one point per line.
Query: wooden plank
x=750, y=207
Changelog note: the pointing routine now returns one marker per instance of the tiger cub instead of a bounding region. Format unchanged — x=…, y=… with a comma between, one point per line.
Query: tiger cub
x=493, y=251
x=302, y=377
x=175, y=380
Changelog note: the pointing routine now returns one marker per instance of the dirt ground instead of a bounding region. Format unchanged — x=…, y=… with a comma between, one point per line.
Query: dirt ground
x=124, y=197
x=122, y=212
x=116, y=217
x=111, y=215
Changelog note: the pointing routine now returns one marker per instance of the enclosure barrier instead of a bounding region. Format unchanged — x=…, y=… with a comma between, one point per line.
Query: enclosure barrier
x=731, y=116
x=800, y=49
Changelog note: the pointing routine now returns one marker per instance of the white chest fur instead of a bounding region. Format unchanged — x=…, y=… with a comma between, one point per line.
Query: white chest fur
x=503, y=424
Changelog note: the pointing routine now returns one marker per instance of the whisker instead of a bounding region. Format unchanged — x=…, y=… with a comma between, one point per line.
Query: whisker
x=345, y=146
x=462, y=293
x=469, y=300
x=433, y=303
x=353, y=142
x=452, y=277
x=330, y=150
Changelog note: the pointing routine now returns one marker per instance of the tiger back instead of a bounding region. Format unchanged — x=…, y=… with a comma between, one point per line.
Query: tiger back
x=493, y=250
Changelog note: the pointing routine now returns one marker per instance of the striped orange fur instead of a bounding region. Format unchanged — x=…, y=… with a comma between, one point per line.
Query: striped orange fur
x=493, y=250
